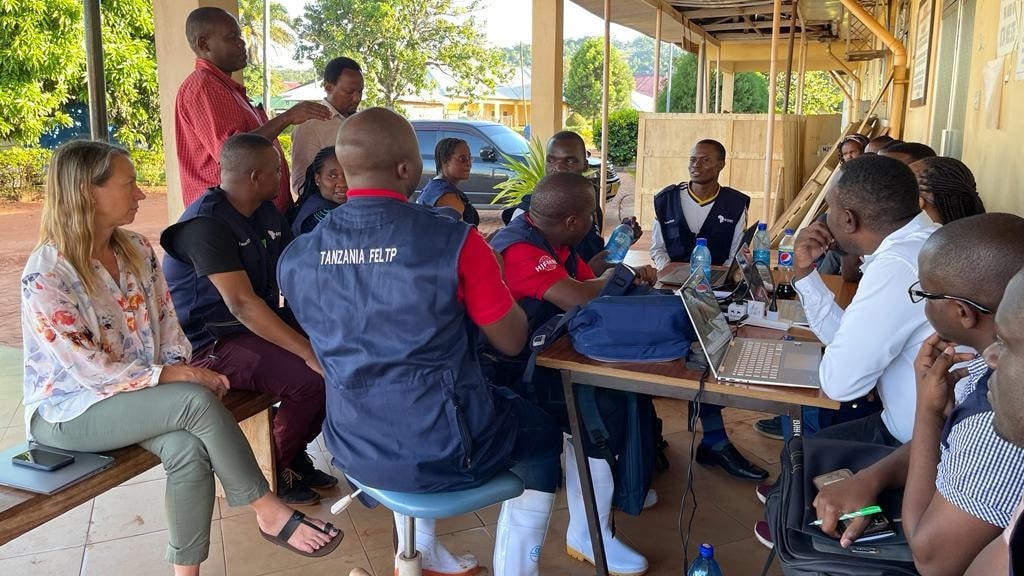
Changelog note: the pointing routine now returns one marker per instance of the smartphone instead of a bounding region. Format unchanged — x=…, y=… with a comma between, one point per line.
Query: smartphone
x=832, y=477
x=42, y=459
x=879, y=527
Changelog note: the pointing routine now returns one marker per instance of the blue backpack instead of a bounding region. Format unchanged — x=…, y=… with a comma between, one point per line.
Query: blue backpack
x=625, y=323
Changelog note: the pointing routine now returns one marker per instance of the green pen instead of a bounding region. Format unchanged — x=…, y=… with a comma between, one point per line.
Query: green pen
x=862, y=512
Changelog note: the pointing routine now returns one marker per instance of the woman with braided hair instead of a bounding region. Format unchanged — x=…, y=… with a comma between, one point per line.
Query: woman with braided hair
x=323, y=190
x=454, y=164
x=947, y=189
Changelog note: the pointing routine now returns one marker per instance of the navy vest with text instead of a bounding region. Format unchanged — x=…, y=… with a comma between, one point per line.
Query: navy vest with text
x=719, y=227
x=591, y=244
x=304, y=218
x=374, y=286
x=437, y=187
x=203, y=314
x=520, y=230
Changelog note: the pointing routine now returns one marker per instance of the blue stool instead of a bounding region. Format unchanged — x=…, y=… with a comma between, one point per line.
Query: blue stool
x=503, y=486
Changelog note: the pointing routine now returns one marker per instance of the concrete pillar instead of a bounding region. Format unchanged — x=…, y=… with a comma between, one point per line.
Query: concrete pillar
x=728, y=84
x=546, y=70
x=175, y=61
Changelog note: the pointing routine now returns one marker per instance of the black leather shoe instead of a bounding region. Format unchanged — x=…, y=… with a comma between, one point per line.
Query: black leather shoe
x=730, y=459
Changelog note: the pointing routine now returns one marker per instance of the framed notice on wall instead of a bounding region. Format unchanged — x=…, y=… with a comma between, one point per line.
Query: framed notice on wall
x=922, y=48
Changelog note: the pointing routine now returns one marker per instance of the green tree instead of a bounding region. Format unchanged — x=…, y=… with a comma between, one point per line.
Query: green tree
x=41, y=59
x=821, y=94
x=750, y=93
x=683, y=95
x=398, y=39
x=42, y=68
x=584, y=80
x=250, y=20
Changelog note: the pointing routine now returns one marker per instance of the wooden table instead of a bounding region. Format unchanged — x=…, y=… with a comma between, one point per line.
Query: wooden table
x=674, y=380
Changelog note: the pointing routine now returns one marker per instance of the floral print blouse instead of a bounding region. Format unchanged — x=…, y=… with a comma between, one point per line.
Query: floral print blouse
x=80, y=350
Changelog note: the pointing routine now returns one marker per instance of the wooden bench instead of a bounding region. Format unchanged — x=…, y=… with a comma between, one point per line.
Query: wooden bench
x=22, y=511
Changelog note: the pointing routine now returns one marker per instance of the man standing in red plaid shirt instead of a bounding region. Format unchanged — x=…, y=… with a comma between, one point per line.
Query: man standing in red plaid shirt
x=211, y=107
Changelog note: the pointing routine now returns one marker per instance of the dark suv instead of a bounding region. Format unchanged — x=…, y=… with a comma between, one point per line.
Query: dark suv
x=487, y=142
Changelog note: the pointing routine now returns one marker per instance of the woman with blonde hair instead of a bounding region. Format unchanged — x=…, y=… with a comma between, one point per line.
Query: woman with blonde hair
x=106, y=363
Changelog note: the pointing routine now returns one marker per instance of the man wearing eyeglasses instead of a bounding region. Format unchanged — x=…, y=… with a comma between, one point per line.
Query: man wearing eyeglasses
x=961, y=480
x=873, y=212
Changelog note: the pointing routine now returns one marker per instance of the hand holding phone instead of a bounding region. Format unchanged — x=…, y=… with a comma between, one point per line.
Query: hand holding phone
x=42, y=459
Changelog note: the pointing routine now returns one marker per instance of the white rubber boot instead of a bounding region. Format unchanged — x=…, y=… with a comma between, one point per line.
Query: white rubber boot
x=436, y=559
x=522, y=526
x=622, y=560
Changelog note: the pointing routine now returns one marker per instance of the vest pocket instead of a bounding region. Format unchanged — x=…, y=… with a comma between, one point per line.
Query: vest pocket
x=467, y=439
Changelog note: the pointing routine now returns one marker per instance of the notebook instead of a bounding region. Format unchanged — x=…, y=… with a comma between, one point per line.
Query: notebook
x=746, y=360
x=791, y=311
x=85, y=465
x=723, y=279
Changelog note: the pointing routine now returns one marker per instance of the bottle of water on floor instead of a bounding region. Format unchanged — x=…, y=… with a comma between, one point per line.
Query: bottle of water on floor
x=705, y=564
x=701, y=258
x=619, y=243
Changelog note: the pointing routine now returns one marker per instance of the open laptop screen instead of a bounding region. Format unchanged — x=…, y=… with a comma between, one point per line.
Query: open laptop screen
x=708, y=321
x=758, y=291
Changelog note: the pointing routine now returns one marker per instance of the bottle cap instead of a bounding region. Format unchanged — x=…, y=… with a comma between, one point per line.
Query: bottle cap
x=702, y=241
x=787, y=231
x=707, y=551
x=762, y=225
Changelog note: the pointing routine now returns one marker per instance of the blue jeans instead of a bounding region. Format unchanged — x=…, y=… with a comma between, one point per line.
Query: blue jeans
x=537, y=450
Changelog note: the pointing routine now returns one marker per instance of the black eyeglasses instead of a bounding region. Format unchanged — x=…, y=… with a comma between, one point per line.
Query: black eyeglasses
x=917, y=295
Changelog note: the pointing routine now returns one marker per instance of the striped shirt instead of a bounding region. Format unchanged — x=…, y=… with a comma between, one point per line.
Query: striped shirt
x=978, y=471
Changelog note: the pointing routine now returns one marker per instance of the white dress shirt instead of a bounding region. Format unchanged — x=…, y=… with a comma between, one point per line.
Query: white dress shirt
x=695, y=215
x=309, y=138
x=874, y=342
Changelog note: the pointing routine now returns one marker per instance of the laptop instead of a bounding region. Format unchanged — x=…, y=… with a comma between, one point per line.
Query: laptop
x=85, y=465
x=746, y=360
x=791, y=311
x=720, y=279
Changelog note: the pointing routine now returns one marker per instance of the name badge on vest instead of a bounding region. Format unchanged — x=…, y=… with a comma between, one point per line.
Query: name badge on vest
x=723, y=220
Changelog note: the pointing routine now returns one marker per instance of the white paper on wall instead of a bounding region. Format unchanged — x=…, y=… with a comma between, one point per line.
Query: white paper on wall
x=992, y=95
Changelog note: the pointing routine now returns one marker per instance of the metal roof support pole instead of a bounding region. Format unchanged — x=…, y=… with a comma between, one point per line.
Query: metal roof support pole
x=769, y=140
x=657, y=59
x=718, y=79
x=801, y=74
x=94, y=70
x=700, y=105
x=899, y=64
x=604, y=104
x=789, y=60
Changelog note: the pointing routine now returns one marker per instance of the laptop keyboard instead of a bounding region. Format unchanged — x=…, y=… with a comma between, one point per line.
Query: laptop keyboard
x=759, y=359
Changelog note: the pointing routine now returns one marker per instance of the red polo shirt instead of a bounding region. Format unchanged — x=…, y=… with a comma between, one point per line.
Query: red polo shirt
x=481, y=289
x=210, y=108
x=530, y=271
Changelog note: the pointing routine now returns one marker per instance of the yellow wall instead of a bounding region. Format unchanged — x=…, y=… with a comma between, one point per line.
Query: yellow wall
x=995, y=155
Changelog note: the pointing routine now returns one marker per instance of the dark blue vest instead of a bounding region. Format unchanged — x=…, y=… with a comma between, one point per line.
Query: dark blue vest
x=591, y=244
x=975, y=403
x=303, y=220
x=201, y=310
x=521, y=231
x=437, y=187
x=719, y=227
x=374, y=286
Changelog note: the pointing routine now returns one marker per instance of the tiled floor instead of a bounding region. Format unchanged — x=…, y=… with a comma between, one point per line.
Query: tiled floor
x=123, y=532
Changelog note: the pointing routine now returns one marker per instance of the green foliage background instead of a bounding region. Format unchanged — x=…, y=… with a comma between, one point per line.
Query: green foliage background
x=623, y=126
x=585, y=78
x=394, y=40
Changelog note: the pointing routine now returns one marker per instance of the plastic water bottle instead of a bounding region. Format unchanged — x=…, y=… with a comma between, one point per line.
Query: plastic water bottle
x=785, y=288
x=786, y=251
x=701, y=258
x=619, y=243
x=705, y=564
x=762, y=245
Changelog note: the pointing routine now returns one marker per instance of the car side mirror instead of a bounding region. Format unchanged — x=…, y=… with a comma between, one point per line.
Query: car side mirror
x=488, y=154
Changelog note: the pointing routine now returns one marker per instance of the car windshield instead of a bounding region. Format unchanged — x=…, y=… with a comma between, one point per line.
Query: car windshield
x=506, y=140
